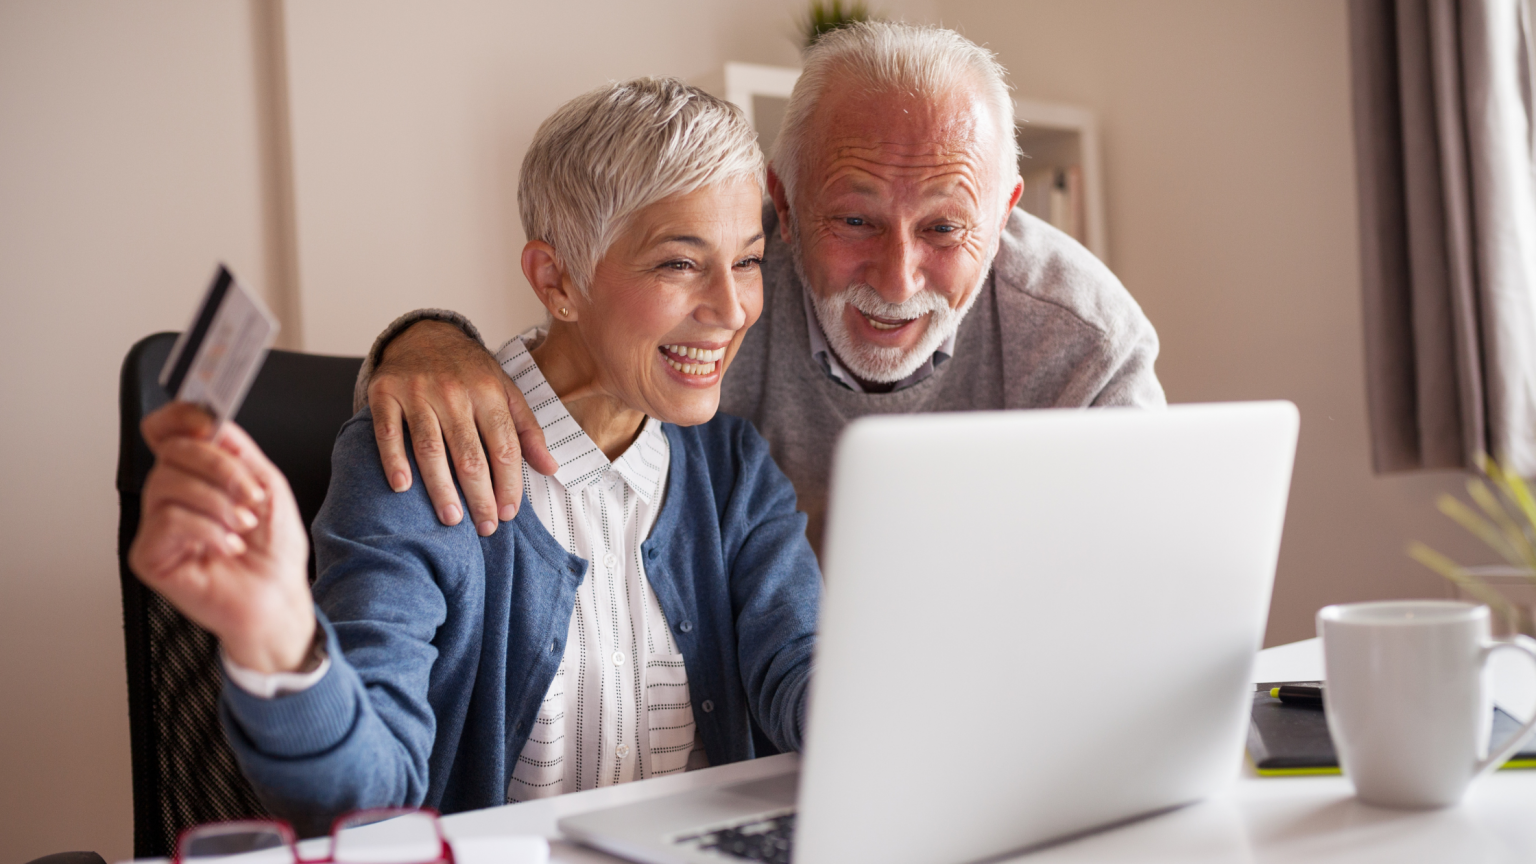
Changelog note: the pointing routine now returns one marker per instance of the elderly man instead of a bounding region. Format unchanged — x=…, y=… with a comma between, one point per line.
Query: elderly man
x=899, y=277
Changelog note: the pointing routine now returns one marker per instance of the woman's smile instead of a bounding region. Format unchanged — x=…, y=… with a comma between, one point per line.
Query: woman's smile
x=694, y=364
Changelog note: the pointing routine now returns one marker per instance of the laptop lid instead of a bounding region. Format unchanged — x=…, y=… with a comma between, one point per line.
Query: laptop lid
x=1036, y=623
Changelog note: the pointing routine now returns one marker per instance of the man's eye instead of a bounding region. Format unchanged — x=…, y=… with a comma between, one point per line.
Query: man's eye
x=945, y=229
x=854, y=221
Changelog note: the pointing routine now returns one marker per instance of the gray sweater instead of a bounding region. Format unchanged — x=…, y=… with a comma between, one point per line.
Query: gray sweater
x=1053, y=328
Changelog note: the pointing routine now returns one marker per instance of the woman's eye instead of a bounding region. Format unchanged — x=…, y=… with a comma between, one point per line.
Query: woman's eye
x=680, y=264
x=749, y=263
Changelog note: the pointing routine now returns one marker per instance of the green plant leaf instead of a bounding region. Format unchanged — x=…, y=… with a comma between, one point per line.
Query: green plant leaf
x=1480, y=590
x=1513, y=486
x=1516, y=539
x=1479, y=527
x=824, y=16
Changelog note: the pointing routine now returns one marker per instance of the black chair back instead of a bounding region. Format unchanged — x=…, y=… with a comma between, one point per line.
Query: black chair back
x=183, y=770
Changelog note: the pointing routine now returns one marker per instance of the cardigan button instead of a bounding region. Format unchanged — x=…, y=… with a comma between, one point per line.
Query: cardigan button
x=651, y=553
x=708, y=706
x=686, y=626
x=554, y=646
x=518, y=727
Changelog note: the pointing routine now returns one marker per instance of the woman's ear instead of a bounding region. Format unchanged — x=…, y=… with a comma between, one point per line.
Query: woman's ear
x=545, y=273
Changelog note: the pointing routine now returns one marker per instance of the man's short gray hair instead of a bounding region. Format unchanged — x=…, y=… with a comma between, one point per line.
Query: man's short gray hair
x=879, y=57
x=607, y=154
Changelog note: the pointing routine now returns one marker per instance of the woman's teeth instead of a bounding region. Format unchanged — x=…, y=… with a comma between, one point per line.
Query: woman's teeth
x=704, y=359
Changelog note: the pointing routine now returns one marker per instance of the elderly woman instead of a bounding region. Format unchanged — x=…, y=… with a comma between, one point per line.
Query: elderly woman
x=652, y=607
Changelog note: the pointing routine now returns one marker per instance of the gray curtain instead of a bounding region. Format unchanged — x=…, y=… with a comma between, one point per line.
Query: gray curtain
x=1444, y=145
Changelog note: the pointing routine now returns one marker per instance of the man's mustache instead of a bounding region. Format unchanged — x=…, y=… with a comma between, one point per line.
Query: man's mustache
x=866, y=299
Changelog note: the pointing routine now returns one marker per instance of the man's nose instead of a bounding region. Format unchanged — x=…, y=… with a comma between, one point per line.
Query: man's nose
x=896, y=274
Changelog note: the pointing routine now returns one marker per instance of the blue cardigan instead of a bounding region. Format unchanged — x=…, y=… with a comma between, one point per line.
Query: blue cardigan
x=443, y=643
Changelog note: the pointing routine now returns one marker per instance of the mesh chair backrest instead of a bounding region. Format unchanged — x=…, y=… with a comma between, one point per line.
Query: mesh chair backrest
x=183, y=770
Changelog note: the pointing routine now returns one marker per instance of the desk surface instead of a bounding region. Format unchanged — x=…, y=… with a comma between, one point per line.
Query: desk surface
x=1268, y=819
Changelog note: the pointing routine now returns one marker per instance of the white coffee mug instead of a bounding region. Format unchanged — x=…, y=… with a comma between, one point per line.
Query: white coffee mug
x=1407, y=704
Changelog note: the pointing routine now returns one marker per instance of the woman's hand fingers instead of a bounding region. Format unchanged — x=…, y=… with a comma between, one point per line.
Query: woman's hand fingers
x=170, y=539
x=175, y=420
x=214, y=465
x=169, y=485
x=221, y=538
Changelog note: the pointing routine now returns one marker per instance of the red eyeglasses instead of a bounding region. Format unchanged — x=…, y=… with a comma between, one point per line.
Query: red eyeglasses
x=383, y=836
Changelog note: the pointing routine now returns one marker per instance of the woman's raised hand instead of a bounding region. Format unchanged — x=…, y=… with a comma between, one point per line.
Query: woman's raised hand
x=220, y=537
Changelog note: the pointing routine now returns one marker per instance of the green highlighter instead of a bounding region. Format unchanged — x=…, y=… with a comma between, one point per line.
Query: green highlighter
x=1302, y=694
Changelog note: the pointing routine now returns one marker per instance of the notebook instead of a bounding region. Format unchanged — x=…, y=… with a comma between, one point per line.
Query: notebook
x=1289, y=740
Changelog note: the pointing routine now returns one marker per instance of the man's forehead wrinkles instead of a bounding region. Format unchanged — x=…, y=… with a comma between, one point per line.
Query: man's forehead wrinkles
x=869, y=175
x=932, y=149
x=952, y=185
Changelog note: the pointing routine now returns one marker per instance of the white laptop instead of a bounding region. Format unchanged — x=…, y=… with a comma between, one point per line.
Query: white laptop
x=1035, y=624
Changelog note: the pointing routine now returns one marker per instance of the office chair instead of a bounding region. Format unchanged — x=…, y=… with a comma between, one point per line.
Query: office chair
x=183, y=770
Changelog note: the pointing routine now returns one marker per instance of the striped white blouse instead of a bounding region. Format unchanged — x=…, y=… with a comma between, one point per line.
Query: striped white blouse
x=619, y=707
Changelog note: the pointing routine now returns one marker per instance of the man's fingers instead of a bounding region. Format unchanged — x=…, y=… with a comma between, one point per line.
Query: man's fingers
x=432, y=462
x=390, y=433
x=470, y=464
x=530, y=435
x=505, y=455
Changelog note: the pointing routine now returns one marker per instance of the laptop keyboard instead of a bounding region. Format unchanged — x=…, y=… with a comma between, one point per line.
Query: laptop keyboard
x=763, y=838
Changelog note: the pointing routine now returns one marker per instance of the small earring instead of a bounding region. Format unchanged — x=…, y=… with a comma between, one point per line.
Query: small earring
x=564, y=312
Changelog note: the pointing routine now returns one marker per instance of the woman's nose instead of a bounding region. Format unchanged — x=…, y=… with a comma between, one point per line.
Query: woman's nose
x=722, y=303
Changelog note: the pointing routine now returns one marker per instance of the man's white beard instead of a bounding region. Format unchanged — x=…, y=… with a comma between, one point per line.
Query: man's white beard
x=878, y=363
x=875, y=363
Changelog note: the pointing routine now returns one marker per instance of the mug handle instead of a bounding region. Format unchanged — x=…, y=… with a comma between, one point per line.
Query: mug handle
x=1523, y=644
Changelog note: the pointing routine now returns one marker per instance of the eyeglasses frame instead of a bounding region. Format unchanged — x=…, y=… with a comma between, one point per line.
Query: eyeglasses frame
x=291, y=840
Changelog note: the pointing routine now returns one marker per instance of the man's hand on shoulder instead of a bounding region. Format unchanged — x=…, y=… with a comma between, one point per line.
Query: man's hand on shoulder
x=454, y=397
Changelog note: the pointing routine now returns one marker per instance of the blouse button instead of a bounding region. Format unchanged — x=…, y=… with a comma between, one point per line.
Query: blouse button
x=618, y=658
x=610, y=560
x=708, y=706
x=686, y=626
x=623, y=751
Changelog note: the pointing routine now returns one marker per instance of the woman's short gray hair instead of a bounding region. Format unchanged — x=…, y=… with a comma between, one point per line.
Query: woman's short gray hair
x=893, y=57
x=610, y=153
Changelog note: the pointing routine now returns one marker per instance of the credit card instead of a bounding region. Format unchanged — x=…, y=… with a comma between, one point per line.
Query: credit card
x=217, y=357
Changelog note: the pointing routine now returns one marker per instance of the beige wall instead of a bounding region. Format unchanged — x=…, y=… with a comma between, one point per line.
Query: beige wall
x=1229, y=170
x=131, y=160
x=410, y=121
x=128, y=167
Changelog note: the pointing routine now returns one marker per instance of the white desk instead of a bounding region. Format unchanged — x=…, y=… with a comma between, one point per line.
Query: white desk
x=1257, y=819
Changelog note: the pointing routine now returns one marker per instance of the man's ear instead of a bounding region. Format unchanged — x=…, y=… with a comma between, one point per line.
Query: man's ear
x=543, y=270
x=780, y=197
x=1013, y=199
